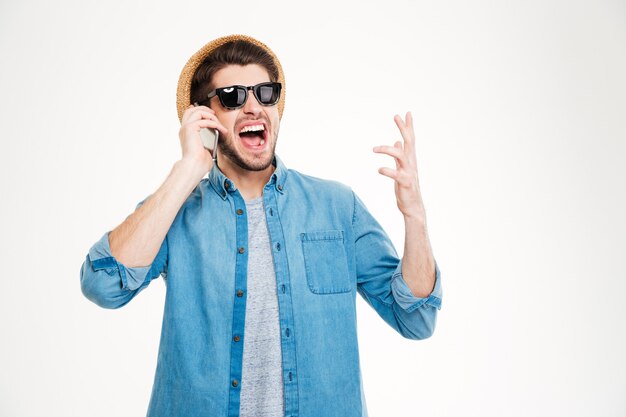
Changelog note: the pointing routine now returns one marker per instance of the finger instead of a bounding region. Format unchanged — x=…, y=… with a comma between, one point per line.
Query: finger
x=388, y=172
x=398, y=145
x=199, y=114
x=409, y=152
x=409, y=128
x=393, y=151
x=208, y=123
x=192, y=110
x=217, y=125
x=406, y=129
x=202, y=112
x=187, y=112
x=399, y=123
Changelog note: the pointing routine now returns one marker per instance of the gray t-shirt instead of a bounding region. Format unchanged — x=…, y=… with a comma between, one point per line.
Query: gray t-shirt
x=261, y=381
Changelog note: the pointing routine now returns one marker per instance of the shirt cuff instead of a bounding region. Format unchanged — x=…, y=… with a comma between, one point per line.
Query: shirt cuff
x=101, y=258
x=405, y=298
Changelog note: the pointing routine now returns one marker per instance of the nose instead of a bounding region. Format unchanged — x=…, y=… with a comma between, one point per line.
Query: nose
x=252, y=106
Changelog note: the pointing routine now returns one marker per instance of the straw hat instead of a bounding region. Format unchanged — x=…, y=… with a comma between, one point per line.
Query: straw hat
x=183, y=92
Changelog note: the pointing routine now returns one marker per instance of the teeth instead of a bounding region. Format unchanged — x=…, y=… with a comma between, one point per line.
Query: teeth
x=262, y=142
x=254, y=128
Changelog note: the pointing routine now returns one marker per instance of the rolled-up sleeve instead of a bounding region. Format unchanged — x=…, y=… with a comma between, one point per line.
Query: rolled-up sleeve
x=109, y=283
x=405, y=298
x=380, y=281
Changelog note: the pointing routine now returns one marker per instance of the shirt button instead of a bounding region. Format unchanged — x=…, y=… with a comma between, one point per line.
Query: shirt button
x=271, y=212
x=282, y=287
x=226, y=184
x=241, y=250
x=239, y=211
x=287, y=332
x=280, y=187
x=278, y=246
x=235, y=383
x=236, y=338
x=239, y=293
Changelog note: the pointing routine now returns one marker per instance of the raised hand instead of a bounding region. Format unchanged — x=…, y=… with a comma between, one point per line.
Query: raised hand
x=408, y=194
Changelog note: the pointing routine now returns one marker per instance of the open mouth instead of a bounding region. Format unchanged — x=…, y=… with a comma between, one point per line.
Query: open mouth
x=253, y=136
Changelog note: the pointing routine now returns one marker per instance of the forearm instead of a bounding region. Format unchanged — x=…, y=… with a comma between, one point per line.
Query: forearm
x=418, y=264
x=136, y=241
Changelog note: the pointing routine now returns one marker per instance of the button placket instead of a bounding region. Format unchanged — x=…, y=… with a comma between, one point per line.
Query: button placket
x=239, y=297
x=287, y=339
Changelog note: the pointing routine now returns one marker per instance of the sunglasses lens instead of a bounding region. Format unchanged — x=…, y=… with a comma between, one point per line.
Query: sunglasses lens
x=232, y=97
x=268, y=94
x=265, y=94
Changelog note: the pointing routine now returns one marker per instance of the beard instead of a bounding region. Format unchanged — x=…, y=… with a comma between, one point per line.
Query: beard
x=260, y=163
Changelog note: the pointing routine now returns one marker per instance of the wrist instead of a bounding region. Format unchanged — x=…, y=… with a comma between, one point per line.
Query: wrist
x=415, y=224
x=415, y=215
x=194, y=167
x=189, y=169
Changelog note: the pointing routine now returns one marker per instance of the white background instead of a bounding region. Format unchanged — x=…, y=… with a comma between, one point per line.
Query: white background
x=520, y=113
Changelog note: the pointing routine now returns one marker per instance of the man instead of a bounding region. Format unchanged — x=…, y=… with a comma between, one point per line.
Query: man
x=262, y=264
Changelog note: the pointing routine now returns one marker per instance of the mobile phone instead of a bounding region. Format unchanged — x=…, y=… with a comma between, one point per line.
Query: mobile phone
x=209, y=140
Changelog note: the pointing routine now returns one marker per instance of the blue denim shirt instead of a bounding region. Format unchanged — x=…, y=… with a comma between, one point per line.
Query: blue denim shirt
x=326, y=247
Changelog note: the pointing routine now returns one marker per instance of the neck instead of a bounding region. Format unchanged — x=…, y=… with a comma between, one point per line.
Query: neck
x=249, y=183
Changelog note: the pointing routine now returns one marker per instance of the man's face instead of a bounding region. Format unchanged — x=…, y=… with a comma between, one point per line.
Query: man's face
x=253, y=150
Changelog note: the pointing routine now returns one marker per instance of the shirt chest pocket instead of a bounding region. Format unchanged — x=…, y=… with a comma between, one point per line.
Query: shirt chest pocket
x=326, y=262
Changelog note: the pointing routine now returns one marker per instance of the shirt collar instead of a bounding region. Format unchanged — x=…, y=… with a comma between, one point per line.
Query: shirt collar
x=224, y=185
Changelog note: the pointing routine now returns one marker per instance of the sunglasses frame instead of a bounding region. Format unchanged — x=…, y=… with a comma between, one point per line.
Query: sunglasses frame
x=218, y=91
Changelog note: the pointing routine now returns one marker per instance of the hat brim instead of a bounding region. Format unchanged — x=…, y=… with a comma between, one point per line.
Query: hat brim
x=183, y=92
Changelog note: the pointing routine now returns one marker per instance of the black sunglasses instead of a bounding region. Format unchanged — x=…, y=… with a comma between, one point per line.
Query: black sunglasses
x=235, y=96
